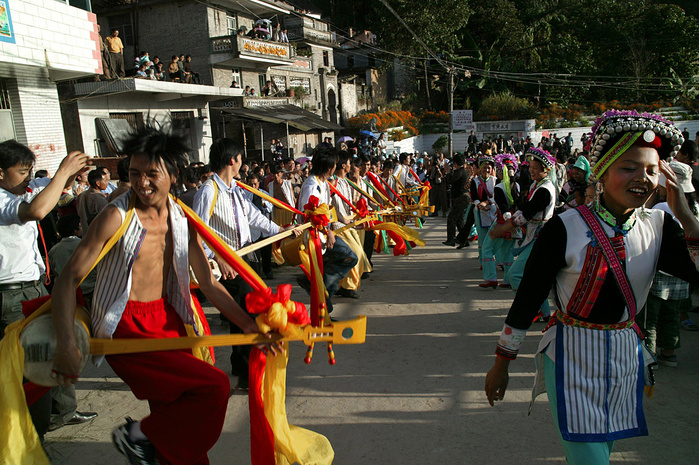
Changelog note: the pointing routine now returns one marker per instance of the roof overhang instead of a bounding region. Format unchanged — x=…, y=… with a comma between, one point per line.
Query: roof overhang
x=282, y=114
x=161, y=90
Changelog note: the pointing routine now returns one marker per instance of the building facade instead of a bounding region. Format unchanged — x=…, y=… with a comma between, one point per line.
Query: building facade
x=42, y=42
x=226, y=51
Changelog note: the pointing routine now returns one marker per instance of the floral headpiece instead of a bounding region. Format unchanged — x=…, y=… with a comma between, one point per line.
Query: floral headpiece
x=506, y=159
x=541, y=155
x=616, y=131
x=486, y=159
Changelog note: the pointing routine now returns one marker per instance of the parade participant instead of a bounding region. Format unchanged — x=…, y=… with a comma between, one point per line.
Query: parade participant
x=401, y=173
x=590, y=361
x=358, y=175
x=338, y=258
x=142, y=291
x=669, y=296
x=223, y=205
x=460, y=199
x=281, y=189
x=573, y=193
x=482, y=192
x=387, y=176
x=532, y=215
x=500, y=249
x=351, y=282
x=23, y=203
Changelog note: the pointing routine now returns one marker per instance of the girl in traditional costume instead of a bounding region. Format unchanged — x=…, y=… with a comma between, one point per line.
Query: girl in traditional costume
x=499, y=249
x=482, y=194
x=532, y=214
x=601, y=260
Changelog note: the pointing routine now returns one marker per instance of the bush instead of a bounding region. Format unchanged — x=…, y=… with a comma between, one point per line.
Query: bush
x=505, y=106
x=440, y=143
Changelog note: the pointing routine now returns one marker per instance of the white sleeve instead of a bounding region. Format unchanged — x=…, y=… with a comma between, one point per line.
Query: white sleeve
x=202, y=206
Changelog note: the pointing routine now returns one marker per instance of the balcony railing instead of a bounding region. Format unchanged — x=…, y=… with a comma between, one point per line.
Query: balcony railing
x=245, y=46
x=304, y=32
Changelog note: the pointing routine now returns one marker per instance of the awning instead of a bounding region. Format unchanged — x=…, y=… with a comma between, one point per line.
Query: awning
x=280, y=114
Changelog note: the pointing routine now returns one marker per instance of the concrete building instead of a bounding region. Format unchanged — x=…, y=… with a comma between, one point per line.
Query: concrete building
x=225, y=53
x=98, y=114
x=42, y=42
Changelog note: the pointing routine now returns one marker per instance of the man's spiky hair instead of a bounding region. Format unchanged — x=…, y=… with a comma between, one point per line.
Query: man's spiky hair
x=157, y=142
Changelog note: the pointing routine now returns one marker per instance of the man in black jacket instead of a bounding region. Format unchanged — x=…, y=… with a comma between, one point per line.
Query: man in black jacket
x=460, y=199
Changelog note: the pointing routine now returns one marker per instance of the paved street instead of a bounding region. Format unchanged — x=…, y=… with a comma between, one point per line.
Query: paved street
x=413, y=393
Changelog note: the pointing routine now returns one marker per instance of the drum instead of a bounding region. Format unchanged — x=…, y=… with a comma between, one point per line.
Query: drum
x=290, y=249
x=39, y=342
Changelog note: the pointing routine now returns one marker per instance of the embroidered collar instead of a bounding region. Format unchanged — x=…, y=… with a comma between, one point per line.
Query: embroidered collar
x=606, y=216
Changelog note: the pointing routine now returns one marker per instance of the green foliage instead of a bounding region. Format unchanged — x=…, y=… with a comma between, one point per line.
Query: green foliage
x=440, y=143
x=505, y=106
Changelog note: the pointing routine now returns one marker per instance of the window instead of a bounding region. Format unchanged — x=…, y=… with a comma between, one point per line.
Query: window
x=135, y=119
x=4, y=97
x=7, y=126
x=231, y=24
x=123, y=23
x=236, y=76
x=262, y=79
x=280, y=83
x=326, y=59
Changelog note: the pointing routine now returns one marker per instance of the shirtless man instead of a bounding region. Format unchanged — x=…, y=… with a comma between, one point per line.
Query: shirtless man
x=187, y=396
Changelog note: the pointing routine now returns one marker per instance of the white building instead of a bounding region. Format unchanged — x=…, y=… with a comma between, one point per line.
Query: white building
x=42, y=42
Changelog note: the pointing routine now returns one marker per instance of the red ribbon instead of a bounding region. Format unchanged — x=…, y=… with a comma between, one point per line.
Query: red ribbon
x=319, y=221
x=261, y=300
x=344, y=199
x=377, y=184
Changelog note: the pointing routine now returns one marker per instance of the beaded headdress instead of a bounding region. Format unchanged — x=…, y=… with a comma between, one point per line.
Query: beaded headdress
x=486, y=159
x=506, y=159
x=542, y=156
x=616, y=131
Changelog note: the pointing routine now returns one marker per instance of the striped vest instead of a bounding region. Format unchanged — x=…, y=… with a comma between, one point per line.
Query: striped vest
x=113, y=284
x=222, y=217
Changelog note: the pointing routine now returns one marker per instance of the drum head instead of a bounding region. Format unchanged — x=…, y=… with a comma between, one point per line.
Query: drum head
x=39, y=342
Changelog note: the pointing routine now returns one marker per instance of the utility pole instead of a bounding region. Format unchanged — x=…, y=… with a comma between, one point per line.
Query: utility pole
x=451, y=112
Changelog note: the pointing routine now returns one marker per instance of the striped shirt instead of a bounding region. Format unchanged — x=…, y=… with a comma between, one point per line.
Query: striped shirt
x=233, y=214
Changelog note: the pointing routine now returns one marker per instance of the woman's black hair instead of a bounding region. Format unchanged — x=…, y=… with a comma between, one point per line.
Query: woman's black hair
x=159, y=144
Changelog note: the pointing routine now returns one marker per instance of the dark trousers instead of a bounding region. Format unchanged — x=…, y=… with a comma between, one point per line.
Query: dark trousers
x=465, y=231
x=337, y=262
x=439, y=198
x=369, y=243
x=240, y=355
x=455, y=220
x=117, y=64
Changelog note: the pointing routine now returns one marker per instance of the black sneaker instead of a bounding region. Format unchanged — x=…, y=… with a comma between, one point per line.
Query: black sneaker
x=136, y=452
x=304, y=282
x=450, y=243
x=342, y=292
x=243, y=383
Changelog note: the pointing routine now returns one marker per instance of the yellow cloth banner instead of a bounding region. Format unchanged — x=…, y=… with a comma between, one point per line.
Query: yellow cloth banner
x=293, y=444
x=353, y=278
x=409, y=234
x=19, y=442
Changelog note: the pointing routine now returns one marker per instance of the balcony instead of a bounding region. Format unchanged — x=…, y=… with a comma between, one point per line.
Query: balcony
x=242, y=51
x=305, y=28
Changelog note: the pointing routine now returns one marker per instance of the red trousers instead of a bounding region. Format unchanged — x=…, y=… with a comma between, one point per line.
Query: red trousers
x=187, y=397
